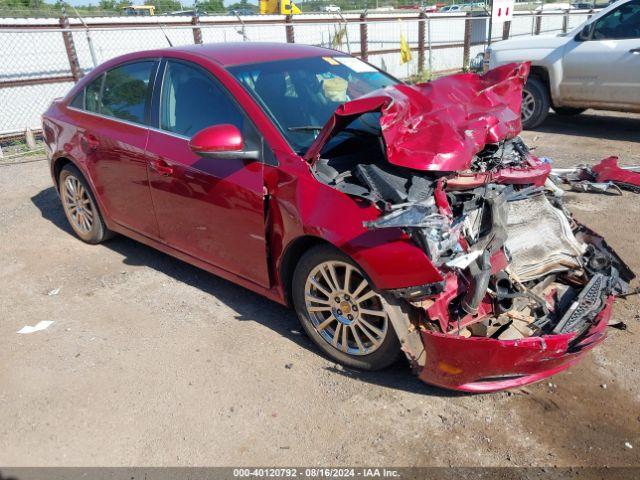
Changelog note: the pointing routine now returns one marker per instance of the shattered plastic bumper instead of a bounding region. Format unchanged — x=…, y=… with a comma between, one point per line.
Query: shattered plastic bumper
x=486, y=365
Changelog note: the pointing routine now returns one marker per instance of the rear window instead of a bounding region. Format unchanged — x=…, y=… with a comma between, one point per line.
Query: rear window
x=126, y=90
x=123, y=92
x=78, y=100
x=92, y=95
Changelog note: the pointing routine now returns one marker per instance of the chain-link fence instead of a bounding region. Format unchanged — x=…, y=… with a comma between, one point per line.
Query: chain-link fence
x=40, y=59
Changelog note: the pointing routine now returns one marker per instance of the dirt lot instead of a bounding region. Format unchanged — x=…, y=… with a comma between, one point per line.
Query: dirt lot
x=153, y=362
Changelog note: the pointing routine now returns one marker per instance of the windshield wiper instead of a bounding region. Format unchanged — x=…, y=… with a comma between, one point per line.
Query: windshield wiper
x=305, y=128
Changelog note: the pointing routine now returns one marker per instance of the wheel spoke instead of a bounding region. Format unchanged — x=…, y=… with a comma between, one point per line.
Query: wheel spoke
x=85, y=221
x=356, y=336
x=315, y=283
x=373, y=339
x=70, y=186
x=360, y=288
x=347, y=277
x=365, y=297
x=345, y=343
x=334, y=276
x=336, y=335
x=330, y=284
x=378, y=313
x=326, y=323
x=319, y=309
x=310, y=298
x=375, y=330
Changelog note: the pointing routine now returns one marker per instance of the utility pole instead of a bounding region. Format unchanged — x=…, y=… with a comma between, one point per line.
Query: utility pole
x=490, y=22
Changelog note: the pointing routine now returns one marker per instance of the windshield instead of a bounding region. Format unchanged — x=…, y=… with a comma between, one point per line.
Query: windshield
x=301, y=95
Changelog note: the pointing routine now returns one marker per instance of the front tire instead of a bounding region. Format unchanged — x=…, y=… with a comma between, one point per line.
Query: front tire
x=535, y=103
x=340, y=311
x=80, y=206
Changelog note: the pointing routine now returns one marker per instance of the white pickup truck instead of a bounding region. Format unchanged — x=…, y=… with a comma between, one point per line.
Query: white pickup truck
x=597, y=65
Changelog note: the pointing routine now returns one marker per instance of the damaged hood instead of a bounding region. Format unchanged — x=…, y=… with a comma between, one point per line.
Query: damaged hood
x=440, y=125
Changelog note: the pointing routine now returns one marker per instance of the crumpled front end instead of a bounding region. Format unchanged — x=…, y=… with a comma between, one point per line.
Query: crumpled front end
x=489, y=364
x=526, y=289
x=439, y=125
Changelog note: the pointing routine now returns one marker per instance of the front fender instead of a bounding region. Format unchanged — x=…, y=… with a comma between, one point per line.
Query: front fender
x=301, y=207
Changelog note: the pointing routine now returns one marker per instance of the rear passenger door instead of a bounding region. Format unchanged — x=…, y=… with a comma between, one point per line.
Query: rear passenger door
x=115, y=115
x=211, y=209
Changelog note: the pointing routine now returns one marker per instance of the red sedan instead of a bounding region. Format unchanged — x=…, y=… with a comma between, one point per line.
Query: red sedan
x=393, y=218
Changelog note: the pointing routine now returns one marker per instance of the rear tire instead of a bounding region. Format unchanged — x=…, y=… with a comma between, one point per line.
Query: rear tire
x=340, y=311
x=535, y=103
x=80, y=206
x=568, y=111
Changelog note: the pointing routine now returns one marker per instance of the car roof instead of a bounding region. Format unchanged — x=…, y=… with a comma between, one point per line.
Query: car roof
x=238, y=53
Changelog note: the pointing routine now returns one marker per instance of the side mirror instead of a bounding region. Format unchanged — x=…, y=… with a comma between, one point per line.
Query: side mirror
x=222, y=142
x=585, y=33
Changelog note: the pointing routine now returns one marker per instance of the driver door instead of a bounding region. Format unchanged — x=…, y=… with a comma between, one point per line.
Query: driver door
x=604, y=70
x=211, y=209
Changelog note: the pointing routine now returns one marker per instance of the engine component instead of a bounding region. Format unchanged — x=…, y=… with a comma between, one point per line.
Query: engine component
x=540, y=239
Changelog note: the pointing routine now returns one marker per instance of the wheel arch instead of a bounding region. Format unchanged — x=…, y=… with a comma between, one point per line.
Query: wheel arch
x=290, y=258
x=542, y=74
x=57, y=165
x=549, y=76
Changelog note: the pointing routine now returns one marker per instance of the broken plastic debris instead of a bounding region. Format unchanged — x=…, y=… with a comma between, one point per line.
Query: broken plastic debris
x=598, y=187
x=552, y=187
x=41, y=325
x=628, y=445
x=600, y=178
x=55, y=291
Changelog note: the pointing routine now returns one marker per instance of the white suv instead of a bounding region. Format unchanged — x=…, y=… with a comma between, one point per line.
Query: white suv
x=597, y=65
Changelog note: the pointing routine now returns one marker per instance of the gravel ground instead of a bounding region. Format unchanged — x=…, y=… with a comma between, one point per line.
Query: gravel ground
x=153, y=362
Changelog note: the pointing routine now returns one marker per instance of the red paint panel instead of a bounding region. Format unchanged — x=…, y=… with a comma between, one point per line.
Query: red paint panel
x=211, y=209
x=483, y=364
x=609, y=171
x=113, y=154
x=440, y=125
x=299, y=207
x=535, y=173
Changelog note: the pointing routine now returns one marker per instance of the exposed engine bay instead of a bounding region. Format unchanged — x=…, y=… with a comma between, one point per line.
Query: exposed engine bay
x=515, y=263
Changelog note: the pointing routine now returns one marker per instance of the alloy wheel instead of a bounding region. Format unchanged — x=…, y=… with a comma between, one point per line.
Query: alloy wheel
x=344, y=309
x=78, y=204
x=528, y=105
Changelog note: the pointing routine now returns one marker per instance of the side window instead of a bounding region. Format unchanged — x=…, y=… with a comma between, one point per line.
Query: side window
x=126, y=91
x=78, y=100
x=92, y=95
x=621, y=23
x=192, y=100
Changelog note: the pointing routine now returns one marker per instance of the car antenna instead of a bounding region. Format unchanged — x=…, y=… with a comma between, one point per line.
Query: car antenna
x=89, y=41
x=165, y=34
